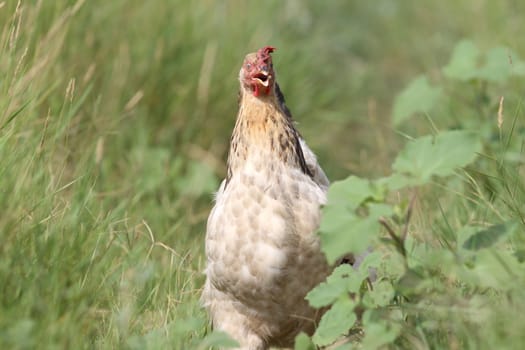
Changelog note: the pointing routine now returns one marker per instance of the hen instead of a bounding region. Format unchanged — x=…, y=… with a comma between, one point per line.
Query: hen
x=263, y=255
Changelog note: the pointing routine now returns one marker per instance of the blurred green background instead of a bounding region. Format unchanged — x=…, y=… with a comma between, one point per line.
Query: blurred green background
x=115, y=119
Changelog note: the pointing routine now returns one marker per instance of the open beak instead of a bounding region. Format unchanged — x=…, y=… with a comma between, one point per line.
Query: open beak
x=263, y=78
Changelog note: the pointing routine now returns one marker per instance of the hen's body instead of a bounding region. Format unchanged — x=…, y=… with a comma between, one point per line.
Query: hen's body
x=262, y=250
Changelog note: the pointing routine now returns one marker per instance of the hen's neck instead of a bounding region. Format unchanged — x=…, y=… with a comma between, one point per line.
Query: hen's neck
x=263, y=129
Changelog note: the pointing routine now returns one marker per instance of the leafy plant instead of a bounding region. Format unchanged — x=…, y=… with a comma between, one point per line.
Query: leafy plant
x=416, y=286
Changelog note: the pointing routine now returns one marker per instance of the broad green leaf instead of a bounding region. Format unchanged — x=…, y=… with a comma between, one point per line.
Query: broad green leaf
x=343, y=232
x=464, y=233
x=218, y=339
x=343, y=280
x=189, y=324
x=353, y=234
x=346, y=346
x=518, y=67
x=437, y=155
x=498, y=269
x=431, y=257
x=381, y=295
x=336, y=218
x=377, y=210
x=303, y=342
x=419, y=96
x=489, y=236
x=392, y=266
x=335, y=286
x=463, y=64
x=336, y=322
x=412, y=282
x=397, y=181
x=352, y=192
x=497, y=65
x=369, y=259
x=378, y=331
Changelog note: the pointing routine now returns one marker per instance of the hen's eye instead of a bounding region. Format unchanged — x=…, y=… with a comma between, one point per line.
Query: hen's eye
x=248, y=65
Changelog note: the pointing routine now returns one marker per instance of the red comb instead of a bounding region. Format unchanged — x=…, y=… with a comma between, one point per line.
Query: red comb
x=264, y=53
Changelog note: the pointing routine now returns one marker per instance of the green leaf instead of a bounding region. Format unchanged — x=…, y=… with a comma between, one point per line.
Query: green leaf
x=344, y=232
x=303, y=342
x=335, y=286
x=518, y=67
x=497, y=269
x=419, y=96
x=218, y=339
x=341, y=230
x=412, y=282
x=336, y=218
x=463, y=64
x=381, y=295
x=352, y=192
x=377, y=210
x=369, y=259
x=335, y=322
x=437, y=155
x=352, y=234
x=497, y=66
x=345, y=346
x=430, y=257
x=343, y=280
x=489, y=236
x=189, y=324
x=378, y=331
x=397, y=181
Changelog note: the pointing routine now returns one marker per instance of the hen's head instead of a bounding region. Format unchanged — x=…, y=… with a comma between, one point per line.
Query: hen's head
x=257, y=75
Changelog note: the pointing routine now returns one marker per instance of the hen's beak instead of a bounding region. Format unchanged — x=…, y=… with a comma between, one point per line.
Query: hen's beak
x=263, y=77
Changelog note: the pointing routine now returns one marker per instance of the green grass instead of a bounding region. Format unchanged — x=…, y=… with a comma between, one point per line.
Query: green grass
x=114, y=125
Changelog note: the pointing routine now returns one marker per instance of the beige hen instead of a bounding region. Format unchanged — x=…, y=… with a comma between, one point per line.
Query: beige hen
x=263, y=254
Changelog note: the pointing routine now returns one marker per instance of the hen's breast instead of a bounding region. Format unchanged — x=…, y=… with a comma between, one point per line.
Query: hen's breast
x=261, y=243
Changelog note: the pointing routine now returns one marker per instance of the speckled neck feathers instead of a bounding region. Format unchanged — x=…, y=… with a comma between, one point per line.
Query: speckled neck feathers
x=265, y=124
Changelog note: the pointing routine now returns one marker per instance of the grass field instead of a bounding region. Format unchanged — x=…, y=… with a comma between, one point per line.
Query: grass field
x=115, y=119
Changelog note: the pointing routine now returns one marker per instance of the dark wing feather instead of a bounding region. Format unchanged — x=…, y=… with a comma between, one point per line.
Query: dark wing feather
x=313, y=169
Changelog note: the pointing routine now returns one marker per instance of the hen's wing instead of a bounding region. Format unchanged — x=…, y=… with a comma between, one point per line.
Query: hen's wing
x=313, y=166
x=317, y=172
